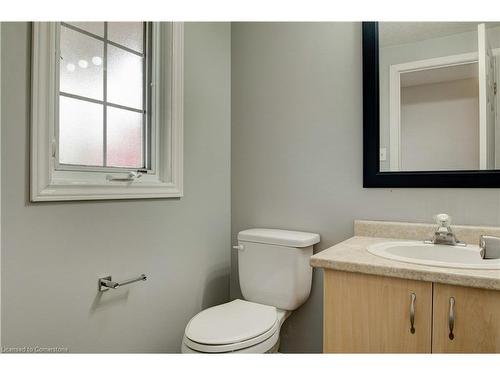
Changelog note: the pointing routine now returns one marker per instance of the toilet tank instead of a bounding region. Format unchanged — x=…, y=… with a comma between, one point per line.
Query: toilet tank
x=274, y=268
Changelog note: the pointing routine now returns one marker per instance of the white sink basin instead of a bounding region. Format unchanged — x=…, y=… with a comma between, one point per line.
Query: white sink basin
x=419, y=252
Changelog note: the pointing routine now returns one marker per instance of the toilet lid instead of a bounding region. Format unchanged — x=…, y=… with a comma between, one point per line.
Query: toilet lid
x=231, y=322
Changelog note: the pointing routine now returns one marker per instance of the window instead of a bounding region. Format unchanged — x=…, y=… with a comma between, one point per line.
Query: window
x=107, y=110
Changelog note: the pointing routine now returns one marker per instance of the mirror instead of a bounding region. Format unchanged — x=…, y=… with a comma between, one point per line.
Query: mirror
x=431, y=111
x=438, y=102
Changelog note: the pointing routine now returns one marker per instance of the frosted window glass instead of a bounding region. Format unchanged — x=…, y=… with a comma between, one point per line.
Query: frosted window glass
x=124, y=138
x=80, y=132
x=81, y=64
x=96, y=28
x=124, y=78
x=128, y=34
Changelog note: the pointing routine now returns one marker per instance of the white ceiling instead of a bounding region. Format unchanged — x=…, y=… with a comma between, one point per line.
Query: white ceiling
x=437, y=75
x=395, y=33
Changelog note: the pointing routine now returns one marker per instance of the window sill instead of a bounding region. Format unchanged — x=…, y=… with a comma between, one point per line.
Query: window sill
x=113, y=190
x=78, y=185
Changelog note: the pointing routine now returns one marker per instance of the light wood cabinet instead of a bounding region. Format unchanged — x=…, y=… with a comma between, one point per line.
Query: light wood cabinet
x=373, y=314
x=476, y=320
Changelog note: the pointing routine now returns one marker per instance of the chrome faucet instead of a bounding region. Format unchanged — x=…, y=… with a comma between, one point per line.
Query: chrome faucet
x=443, y=235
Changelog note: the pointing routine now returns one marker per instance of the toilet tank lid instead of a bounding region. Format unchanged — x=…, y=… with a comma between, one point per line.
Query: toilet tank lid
x=279, y=237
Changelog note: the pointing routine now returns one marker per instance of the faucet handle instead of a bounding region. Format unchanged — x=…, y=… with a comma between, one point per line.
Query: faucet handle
x=443, y=220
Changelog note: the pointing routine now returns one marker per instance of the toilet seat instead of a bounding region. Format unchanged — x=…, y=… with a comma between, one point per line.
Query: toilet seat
x=234, y=326
x=272, y=336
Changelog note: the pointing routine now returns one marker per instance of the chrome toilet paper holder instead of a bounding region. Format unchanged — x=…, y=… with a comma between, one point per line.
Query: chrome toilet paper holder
x=106, y=283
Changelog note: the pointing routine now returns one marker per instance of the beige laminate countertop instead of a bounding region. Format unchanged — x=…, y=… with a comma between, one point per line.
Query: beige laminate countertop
x=352, y=256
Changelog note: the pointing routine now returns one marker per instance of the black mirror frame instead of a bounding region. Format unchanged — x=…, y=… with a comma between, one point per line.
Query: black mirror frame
x=372, y=177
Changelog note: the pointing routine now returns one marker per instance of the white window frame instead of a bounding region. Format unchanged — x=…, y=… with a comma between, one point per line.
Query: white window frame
x=166, y=177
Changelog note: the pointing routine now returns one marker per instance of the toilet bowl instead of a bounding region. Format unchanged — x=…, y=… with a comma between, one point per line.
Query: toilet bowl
x=275, y=279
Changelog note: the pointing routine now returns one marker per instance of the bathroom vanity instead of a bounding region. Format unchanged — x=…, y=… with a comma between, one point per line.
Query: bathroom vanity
x=378, y=305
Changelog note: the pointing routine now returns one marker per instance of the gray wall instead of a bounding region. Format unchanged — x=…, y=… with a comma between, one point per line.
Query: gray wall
x=297, y=150
x=53, y=253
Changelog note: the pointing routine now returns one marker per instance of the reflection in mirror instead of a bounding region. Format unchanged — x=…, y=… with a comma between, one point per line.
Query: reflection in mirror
x=438, y=100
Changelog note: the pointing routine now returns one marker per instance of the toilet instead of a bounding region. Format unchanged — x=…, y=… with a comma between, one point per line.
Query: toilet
x=275, y=279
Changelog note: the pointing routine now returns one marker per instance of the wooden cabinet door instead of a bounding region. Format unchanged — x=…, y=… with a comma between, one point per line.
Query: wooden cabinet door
x=476, y=315
x=371, y=314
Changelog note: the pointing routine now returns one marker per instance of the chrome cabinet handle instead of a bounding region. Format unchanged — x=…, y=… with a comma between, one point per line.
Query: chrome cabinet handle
x=451, y=318
x=413, y=297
